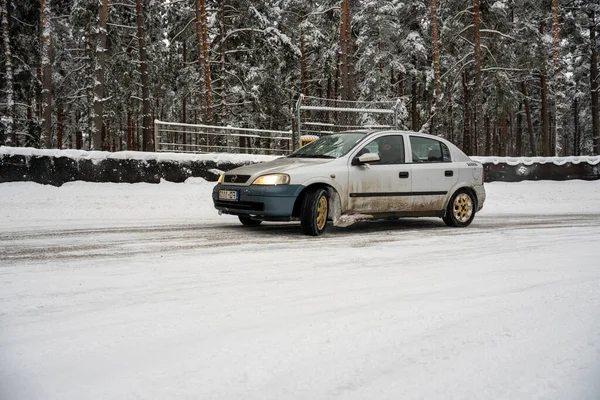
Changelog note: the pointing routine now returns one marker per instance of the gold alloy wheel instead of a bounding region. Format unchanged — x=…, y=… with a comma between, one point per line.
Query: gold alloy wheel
x=463, y=207
x=322, y=212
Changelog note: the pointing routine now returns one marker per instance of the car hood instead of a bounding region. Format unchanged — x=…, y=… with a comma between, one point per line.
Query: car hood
x=279, y=165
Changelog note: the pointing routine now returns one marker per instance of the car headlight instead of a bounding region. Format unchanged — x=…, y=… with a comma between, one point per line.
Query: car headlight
x=220, y=178
x=272, y=179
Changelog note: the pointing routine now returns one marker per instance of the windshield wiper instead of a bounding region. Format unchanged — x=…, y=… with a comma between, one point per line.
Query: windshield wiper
x=310, y=156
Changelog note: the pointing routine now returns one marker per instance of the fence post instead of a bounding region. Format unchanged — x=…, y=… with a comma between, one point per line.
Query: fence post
x=396, y=106
x=228, y=138
x=298, y=122
x=156, y=136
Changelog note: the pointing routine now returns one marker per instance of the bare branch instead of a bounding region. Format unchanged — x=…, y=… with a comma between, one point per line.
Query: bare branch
x=183, y=30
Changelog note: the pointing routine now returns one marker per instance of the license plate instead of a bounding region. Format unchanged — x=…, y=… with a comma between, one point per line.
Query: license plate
x=230, y=195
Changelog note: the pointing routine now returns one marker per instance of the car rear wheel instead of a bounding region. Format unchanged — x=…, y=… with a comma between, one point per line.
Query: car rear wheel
x=461, y=209
x=315, y=207
x=249, y=221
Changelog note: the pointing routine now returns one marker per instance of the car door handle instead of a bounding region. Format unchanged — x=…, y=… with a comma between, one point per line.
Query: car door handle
x=403, y=174
x=449, y=173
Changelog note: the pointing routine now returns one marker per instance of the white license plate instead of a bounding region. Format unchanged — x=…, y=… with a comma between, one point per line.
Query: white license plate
x=231, y=195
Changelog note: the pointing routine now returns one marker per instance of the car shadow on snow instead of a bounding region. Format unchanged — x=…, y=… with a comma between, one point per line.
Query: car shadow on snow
x=357, y=228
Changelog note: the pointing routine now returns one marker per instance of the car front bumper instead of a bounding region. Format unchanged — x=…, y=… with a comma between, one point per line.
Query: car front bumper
x=268, y=202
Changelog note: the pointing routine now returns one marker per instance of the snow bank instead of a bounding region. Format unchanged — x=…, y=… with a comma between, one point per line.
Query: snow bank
x=136, y=155
x=56, y=167
x=251, y=158
x=593, y=160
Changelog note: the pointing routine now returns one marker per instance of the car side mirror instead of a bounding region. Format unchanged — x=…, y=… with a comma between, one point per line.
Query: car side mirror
x=366, y=158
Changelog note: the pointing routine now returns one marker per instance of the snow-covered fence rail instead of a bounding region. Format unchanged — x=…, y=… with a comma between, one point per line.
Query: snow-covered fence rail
x=193, y=138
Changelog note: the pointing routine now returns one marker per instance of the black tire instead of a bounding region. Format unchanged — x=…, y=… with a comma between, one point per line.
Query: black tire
x=249, y=221
x=461, y=209
x=313, y=216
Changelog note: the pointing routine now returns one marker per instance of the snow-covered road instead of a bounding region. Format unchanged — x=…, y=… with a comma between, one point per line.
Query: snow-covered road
x=115, y=291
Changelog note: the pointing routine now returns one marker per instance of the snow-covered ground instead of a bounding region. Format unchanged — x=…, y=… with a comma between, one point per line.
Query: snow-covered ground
x=118, y=291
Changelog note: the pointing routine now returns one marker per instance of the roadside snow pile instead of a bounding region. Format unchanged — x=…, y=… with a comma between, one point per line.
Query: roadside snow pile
x=248, y=158
x=97, y=156
x=593, y=160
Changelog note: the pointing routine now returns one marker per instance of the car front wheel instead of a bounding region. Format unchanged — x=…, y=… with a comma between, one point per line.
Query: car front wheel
x=249, y=221
x=313, y=217
x=461, y=209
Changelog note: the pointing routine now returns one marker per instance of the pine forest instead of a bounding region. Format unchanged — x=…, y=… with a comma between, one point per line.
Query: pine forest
x=496, y=77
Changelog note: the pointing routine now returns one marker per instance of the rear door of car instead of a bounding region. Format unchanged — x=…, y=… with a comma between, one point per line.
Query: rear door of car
x=383, y=186
x=433, y=173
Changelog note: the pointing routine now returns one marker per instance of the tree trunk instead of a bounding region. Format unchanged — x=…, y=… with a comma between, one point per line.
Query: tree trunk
x=10, y=139
x=98, y=111
x=557, y=85
x=303, y=71
x=72, y=134
x=345, y=52
x=434, y=40
x=594, y=86
x=121, y=133
x=576, y=129
x=129, y=130
x=78, y=135
x=148, y=139
x=451, y=127
x=544, y=116
x=221, y=117
x=503, y=134
x=414, y=111
x=400, y=84
x=488, y=136
x=336, y=84
x=555, y=37
x=134, y=132
x=477, y=66
x=60, y=124
x=329, y=93
x=89, y=104
x=475, y=130
x=552, y=133
x=203, y=56
x=106, y=139
x=519, y=132
x=46, y=74
x=183, y=102
x=531, y=135
x=510, y=147
x=467, y=127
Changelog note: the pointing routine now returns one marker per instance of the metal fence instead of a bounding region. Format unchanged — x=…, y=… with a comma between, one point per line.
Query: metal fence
x=318, y=116
x=192, y=138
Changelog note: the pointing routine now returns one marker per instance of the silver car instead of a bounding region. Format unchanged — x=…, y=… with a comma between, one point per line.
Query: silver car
x=357, y=175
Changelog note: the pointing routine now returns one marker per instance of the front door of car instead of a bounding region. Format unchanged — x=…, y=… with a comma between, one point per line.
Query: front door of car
x=382, y=186
x=433, y=173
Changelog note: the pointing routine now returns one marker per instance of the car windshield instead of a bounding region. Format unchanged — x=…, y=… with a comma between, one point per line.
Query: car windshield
x=330, y=146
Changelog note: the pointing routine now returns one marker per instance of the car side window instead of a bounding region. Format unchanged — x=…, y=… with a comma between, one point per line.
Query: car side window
x=390, y=149
x=429, y=150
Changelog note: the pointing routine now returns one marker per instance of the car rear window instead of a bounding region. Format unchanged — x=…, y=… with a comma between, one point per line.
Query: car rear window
x=429, y=150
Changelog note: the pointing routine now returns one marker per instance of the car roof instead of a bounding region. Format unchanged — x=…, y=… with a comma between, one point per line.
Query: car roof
x=373, y=132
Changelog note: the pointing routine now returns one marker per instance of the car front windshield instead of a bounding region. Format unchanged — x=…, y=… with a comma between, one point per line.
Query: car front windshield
x=330, y=146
